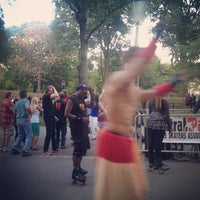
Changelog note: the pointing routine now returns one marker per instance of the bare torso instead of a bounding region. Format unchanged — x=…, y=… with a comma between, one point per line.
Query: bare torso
x=120, y=107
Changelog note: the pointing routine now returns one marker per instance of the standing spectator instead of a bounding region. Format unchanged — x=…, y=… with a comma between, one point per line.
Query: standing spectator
x=76, y=112
x=93, y=118
x=157, y=123
x=187, y=101
x=47, y=103
x=61, y=122
x=139, y=123
x=15, y=125
x=66, y=95
x=193, y=100
x=197, y=106
x=7, y=121
x=36, y=108
x=23, y=116
x=101, y=118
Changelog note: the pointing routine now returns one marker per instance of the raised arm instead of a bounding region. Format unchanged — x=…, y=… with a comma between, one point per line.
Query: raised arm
x=161, y=89
x=54, y=94
x=136, y=59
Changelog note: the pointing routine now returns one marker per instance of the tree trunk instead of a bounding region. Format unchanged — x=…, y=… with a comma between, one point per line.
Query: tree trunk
x=106, y=65
x=39, y=80
x=83, y=68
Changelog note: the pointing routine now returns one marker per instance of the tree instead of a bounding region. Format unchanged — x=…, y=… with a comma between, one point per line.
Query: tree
x=34, y=52
x=182, y=33
x=66, y=36
x=90, y=15
x=4, y=47
x=110, y=37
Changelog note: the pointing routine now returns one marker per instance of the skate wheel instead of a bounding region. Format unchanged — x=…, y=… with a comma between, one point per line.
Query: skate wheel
x=163, y=172
x=74, y=182
x=81, y=183
x=84, y=176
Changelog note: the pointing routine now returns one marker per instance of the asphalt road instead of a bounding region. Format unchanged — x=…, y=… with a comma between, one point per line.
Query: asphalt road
x=49, y=178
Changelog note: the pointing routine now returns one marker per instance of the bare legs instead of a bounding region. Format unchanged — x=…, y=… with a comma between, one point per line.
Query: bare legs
x=34, y=142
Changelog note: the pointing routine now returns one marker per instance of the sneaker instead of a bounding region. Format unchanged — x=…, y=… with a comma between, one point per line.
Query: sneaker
x=55, y=151
x=35, y=149
x=63, y=147
x=164, y=167
x=151, y=168
x=15, y=152
x=5, y=149
x=46, y=153
x=25, y=154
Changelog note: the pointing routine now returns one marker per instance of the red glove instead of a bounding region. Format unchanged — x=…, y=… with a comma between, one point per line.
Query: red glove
x=163, y=88
x=148, y=51
x=167, y=87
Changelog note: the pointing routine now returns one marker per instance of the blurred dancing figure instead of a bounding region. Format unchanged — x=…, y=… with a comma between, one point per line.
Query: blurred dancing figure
x=119, y=169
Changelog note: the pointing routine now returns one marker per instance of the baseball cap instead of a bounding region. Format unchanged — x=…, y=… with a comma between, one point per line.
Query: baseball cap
x=82, y=87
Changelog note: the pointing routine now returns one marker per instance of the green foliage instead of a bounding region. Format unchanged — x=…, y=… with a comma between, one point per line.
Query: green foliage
x=182, y=29
x=90, y=16
x=4, y=46
x=182, y=34
x=98, y=24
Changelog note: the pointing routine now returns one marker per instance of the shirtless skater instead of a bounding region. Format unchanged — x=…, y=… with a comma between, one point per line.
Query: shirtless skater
x=119, y=170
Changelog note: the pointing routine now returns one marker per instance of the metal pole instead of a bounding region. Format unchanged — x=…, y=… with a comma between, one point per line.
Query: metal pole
x=136, y=33
x=138, y=15
x=136, y=44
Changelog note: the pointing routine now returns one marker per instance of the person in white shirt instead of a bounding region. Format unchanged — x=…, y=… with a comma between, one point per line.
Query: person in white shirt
x=36, y=108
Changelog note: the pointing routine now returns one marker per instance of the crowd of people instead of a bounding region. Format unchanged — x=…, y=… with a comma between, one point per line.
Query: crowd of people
x=21, y=117
x=110, y=117
x=86, y=112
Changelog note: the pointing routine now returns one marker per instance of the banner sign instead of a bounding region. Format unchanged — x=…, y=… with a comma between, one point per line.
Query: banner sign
x=185, y=129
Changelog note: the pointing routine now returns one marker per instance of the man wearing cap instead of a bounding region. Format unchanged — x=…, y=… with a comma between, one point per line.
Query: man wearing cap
x=76, y=112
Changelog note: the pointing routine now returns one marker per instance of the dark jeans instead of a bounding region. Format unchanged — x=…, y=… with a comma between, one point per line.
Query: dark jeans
x=50, y=133
x=155, y=138
x=61, y=130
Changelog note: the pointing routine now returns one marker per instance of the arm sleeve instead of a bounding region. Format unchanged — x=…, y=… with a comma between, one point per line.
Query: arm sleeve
x=148, y=51
x=163, y=88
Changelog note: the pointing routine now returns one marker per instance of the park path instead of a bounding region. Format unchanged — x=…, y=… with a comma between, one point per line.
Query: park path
x=49, y=178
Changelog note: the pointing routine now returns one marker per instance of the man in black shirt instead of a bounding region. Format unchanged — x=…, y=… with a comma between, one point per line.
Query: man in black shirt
x=61, y=122
x=76, y=112
x=47, y=103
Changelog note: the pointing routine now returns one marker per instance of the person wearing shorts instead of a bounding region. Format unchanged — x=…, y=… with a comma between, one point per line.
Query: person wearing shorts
x=76, y=112
x=36, y=134
x=80, y=146
x=36, y=108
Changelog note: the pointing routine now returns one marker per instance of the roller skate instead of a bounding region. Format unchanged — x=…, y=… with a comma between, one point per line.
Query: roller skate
x=77, y=177
x=152, y=168
x=83, y=172
x=164, y=169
